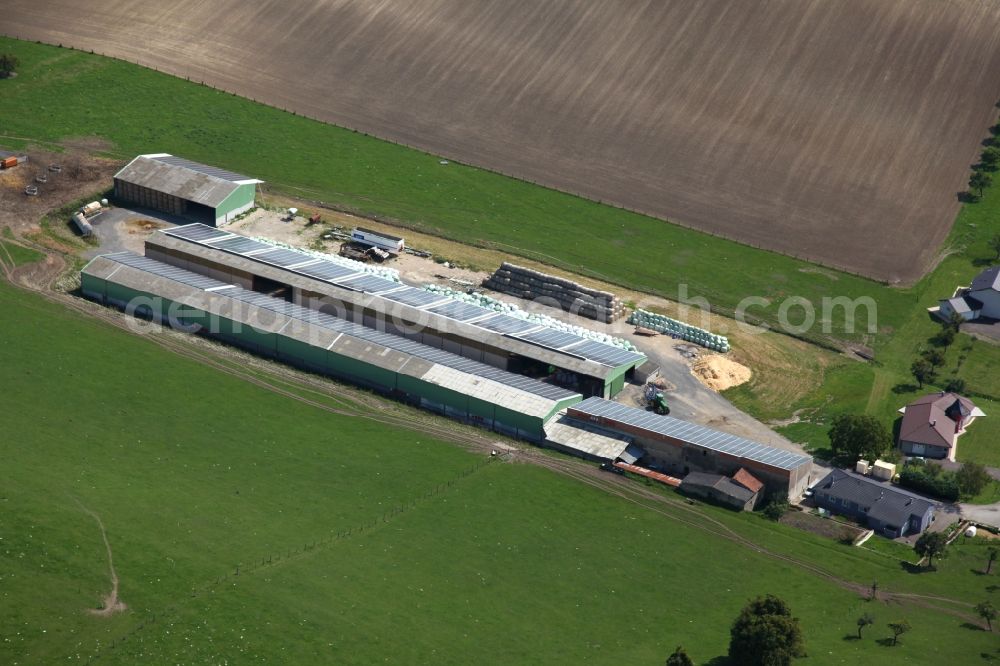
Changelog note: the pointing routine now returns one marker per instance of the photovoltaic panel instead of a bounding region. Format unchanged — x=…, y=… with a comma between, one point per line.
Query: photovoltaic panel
x=460, y=311
x=327, y=270
x=283, y=257
x=196, y=232
x=329, y=322
x=691, y=433
x=506, y=324
x=551, y=338
x=369, y=283
x=415, y=297
x=238, y=245
x=353, y=278
x=606, y=354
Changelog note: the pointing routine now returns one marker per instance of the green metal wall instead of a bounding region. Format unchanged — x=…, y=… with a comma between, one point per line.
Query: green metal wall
x=241, y=196
x=315, y=358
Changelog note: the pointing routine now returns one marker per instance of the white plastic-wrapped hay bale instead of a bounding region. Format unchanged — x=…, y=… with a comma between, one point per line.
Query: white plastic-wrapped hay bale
x=664, y=324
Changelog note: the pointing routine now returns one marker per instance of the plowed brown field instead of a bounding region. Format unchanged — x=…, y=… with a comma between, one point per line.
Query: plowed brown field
x=840, y=131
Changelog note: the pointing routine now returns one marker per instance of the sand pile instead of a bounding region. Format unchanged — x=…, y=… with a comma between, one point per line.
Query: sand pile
x=719, y=373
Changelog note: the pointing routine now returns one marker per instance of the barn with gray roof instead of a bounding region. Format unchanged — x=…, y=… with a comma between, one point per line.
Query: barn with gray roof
x=184, y=188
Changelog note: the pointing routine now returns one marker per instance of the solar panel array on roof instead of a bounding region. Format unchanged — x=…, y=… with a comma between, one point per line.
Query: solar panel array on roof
x=606, y=354
x=196, y=232
x=369, y=283
x=215, y=172
x=415, y=297
x=346, y=277
x=551, y=338
x=460, y=311
x=324, y=320
x=167, y=271
x=238, y=245
x=692, y=433
x=283, y=257
x=506, y=324
x=326, y=270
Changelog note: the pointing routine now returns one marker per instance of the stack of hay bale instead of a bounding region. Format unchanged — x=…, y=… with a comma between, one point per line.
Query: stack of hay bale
x=678, y=329
x=565, y=294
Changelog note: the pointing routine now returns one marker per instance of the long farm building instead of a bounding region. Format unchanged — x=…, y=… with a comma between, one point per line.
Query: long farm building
x=432, y=378
x=680, y=447
x=498, y=339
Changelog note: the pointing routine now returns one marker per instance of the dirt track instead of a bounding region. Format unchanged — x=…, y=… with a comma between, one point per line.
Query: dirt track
x=811, y=127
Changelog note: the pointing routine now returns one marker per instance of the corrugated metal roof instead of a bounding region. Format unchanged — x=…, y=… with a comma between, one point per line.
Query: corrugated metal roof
x=215, y=172
x=450, y=309
x=166, y=270
x=691, y=433
x=264, y=303
x=176, y=180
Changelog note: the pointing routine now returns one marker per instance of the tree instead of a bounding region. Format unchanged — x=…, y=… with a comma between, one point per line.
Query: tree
x=955, y=385
x=931, y=545
x=679, y=658
x=765, y=634
x=859, y=436
x=898, y=629
x=934, y=356
x=994, y=244
x=988, y=612
x=980, y=181
x=991, y=553
x=776, y=507
x=923, y=371
x=990, y=158
x=972, y=478
x=8, y=64
x=864, y=621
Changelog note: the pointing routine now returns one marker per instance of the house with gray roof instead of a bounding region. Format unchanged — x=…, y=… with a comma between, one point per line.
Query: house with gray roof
x=932, y=424
x=979, y=300
x=886, y=509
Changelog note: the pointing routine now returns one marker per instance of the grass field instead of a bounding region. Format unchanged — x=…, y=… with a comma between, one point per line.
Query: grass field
x=194, y=473
x=18, y=254
x=692, y=111
x=52, y=101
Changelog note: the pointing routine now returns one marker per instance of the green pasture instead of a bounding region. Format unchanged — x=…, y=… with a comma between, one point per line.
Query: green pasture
x=138, y=110
x=194, y=473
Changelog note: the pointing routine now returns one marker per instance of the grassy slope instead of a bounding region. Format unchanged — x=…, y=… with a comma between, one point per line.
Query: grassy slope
x=53, y=98
x=11, y=252
x=192, y=472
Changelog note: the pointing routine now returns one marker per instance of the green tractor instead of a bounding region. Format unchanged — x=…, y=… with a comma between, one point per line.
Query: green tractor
x=655, y=399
